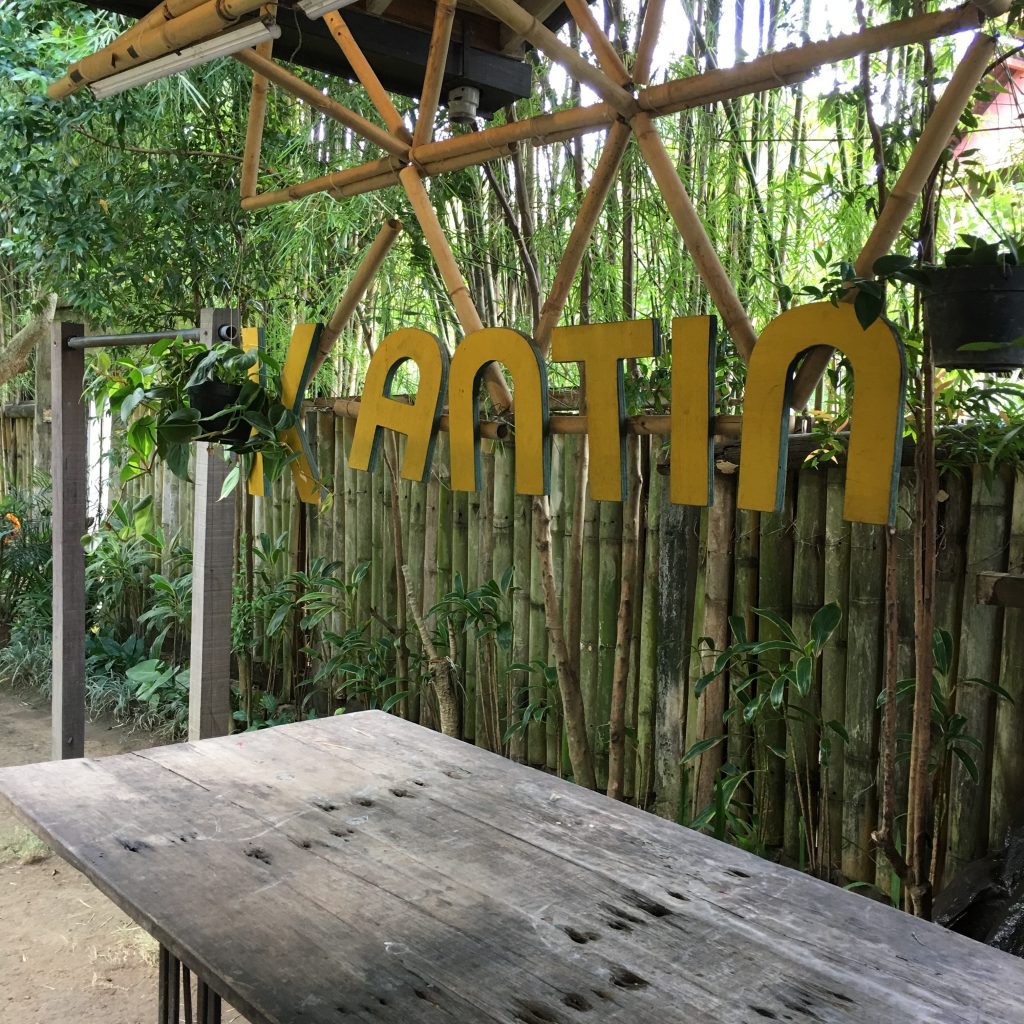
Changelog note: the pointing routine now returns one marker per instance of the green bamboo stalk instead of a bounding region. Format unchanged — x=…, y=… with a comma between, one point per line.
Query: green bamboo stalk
x=864, y=671
x=647, y=671
x=775, y=593
x=553, y=723
x=833, y=663
x=473, y=511
x=610, y=582
x=364, y=543
x=520, y=689
x=416, y=523
x=695, y=653
x=338, y=517
x=802, y=781
x=379, y=540
x=1007, y=748
x=351, y=520
x=537, y=646
x=587, y=598
x=460, y=561
x=504, y=557
x=981, y=629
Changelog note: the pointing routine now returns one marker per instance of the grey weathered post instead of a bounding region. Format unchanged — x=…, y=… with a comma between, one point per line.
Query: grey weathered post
x=70, y=471
x=209, y=701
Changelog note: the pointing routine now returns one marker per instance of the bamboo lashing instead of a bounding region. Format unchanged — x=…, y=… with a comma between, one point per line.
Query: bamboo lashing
x=257, y=116
x=904, y=195
x=743, y=79
x=433, y=76
x=191, y=27
x=525, y=24
x=367, y=76
x=313, y=97
x=361, y=279
x=454, y=283
x=608, y=58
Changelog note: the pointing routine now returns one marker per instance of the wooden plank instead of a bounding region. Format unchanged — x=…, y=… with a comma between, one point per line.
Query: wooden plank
x=361, y=868
x=70, y=468
x=209, y=698
x=1001, y=588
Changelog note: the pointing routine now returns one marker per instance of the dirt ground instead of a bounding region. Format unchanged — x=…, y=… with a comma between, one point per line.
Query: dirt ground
x=67, y=954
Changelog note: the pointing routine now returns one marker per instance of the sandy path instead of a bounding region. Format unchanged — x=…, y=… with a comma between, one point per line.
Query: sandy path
x=67, y=954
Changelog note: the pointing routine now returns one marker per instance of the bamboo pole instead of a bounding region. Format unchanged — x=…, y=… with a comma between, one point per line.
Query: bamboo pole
x=904, y=195
x=367, y=76
x=609, y=586
x=552, y=726
x=1007, y=749
x=437, y=57
x=166, y=11
x=355, y=291
x=744, y=79
x=454, y=282
x=314, y=98
x=366, y=177
x=624, y=631
x=606, y=55
x=526, y=25
x=705, y=259
x=654, y=14
x=256, y=119
x=525, y=748
x=199, y=23
x=582, y=229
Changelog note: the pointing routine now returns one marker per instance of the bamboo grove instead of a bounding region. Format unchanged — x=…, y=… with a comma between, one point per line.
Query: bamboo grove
x=789, y=183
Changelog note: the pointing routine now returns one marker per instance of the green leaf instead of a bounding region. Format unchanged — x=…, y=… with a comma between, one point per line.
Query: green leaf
x=942, y=651
x=779, y=623
x=230, y=482
x=825, y=622
x=804, y=675
x=700, y=747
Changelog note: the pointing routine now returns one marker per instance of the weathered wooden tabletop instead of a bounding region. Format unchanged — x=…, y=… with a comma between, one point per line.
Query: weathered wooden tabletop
x=362, y=868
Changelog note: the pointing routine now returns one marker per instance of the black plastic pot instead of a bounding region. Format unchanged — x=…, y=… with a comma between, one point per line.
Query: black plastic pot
x=971, y=305
x=212, y=398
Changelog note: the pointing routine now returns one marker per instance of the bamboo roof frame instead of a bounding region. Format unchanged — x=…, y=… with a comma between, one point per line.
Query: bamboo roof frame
x=627, y=110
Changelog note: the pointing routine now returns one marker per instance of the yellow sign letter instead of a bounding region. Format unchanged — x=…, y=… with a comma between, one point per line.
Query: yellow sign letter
x=876, y=440
x=692, y=455
x=417, y=420
x=530, y=378
x=601, y=348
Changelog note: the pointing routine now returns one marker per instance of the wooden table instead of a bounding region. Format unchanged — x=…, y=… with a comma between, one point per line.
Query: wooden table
x=364, y=869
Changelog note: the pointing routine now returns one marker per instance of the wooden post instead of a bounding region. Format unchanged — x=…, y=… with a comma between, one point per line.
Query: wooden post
x=257, y=117
x=70, y=469
x=209, y=698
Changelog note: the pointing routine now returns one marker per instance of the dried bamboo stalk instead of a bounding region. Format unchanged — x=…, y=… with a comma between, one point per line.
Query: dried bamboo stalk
x=705, y=259
x=257, y=116
x=649, y=33
x=162, y=38
x=606, y=55
x=582, y=229
x=525, y=24
x=454, y=282
x=355, y=291
x=907, y=190
x=433, y=76
x=314, y=98
x=367, y=76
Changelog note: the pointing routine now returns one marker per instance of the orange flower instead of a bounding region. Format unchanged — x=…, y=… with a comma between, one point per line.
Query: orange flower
x=11, y=531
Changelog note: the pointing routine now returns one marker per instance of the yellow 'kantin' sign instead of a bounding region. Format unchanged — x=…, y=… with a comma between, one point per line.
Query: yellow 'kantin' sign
x=875, y=354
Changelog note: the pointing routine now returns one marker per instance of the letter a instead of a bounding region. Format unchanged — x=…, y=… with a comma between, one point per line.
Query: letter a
x=418, y=420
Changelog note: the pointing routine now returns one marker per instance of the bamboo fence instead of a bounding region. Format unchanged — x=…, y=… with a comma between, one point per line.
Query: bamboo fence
x=638, y=659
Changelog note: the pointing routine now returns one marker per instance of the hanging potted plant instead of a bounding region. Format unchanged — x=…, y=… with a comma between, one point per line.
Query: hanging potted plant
x=186, y=393
x=973, y=304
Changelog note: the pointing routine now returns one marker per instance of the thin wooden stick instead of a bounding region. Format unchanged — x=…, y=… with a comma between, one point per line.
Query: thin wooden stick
x=454, y=282
x=257, y=117
x=355, y=291
x=583, y=227
x=437, y=57
x=907, y=190
x=705, y=259
x=370, y=176
x=525, y=24
x=367, y=76
x=610, y=61
x=199, y=23
x=312, y=96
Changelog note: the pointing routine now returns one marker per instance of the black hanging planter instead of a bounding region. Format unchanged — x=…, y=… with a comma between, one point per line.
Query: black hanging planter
x=972, y=305
x=212, y=398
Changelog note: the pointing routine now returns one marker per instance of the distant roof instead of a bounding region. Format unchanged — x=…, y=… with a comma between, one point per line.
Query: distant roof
x=395, y=37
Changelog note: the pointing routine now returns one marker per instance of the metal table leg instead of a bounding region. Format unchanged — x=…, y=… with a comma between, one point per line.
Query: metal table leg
x=175, y=982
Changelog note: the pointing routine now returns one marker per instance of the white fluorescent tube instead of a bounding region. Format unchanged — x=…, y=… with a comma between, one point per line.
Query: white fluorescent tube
x=231, y=42
x=314, y=9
